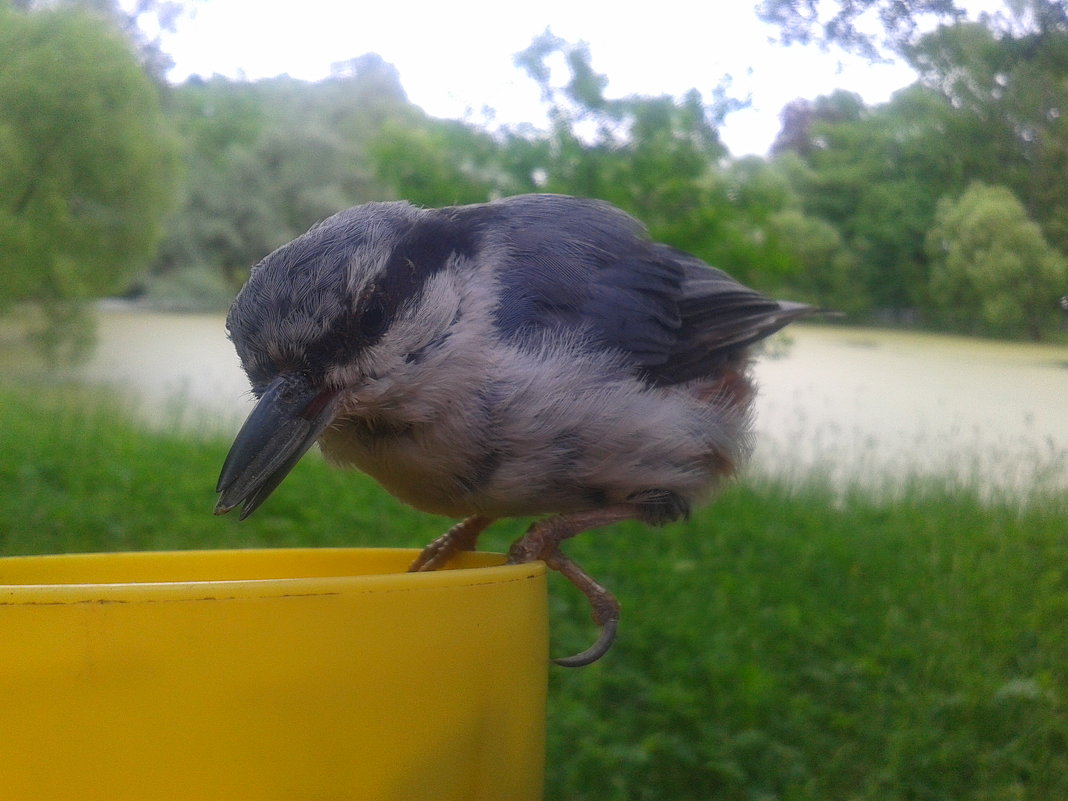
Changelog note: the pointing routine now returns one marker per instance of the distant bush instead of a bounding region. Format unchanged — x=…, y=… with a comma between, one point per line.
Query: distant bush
x=193, y=288
x=992, y=270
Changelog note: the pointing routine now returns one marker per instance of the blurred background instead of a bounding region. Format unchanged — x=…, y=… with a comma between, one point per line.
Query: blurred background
x=877, y=611
x=902, y=162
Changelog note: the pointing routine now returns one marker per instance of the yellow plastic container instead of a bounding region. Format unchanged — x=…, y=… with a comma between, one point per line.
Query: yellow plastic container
x=272, y=674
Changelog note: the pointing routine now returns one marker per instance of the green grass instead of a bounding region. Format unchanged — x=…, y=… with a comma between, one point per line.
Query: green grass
x=787, y=643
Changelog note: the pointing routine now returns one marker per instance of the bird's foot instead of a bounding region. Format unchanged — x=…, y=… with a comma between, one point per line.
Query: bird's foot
x=542, y=541
x=461, y=537
x=605, y=609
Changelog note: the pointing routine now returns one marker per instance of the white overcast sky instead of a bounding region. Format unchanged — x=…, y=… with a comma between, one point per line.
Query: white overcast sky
x=455, y=57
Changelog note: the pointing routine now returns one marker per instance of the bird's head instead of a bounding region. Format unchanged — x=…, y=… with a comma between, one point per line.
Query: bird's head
x=327, y=323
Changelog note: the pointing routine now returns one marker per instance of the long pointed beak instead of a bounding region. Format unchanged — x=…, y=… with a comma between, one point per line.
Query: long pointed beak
x=288, y=419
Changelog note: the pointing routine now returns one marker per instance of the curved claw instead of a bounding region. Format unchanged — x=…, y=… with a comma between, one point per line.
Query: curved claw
x=595, y=651
x=542, y=541
x=605, y=610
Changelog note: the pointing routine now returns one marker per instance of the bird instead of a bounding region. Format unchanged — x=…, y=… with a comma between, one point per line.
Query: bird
x=532, y=356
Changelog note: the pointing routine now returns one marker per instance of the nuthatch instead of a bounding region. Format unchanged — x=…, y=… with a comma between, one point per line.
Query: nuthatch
x=534, y=355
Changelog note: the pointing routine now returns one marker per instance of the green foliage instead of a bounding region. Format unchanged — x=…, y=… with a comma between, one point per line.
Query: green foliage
x=838, y=216
x=786, y=643
x=991, y=266
x=436, y=163
x=989, y=107
x=87, y=167
x=267, y=160
x=1007, y=88
x=821, y=269
x=653, y=156
x=847, y=23
x=876, y=175
x=798, y=117
x=661, y=159
x=140, y=23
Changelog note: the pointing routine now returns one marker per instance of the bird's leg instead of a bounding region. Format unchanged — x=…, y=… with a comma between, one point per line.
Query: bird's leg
x=461, y=537
x=542, y=541
x=605, y=609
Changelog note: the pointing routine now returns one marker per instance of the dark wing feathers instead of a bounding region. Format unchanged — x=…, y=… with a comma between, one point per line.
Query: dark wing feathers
x=575, y=265
x=721, y=318
x=583, y=265
x=630, y=305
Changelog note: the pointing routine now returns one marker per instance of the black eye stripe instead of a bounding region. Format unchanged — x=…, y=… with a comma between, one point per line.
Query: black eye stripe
x=422, y=252
x=317, y=266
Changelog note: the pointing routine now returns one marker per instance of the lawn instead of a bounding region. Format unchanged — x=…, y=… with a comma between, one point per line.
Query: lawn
x=789, y=642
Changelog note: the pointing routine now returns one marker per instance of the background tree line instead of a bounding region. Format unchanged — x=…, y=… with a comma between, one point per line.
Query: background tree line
x=946, y=206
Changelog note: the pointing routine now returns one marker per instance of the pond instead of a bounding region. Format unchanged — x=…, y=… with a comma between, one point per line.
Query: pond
x=877, y=406
x=854, y=404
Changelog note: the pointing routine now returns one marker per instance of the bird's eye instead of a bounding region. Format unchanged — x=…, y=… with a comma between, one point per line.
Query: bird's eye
x=373, y=320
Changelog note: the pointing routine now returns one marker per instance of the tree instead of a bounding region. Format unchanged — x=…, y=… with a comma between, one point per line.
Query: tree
x=799, y=116
x=846, y=23
x=88, y=168
x=991, y=105
x=876, y=174
x=268, y=159
x=141, y=22
x=437, y=162
x=655, y=157
x=1004, y=79
x=661, y=159
x=992, y=270
x=821, y=269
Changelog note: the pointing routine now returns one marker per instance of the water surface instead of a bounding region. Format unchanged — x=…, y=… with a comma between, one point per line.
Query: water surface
x=856, y=404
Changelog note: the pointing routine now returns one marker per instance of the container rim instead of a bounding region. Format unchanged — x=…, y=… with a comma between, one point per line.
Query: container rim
x=234, y=574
